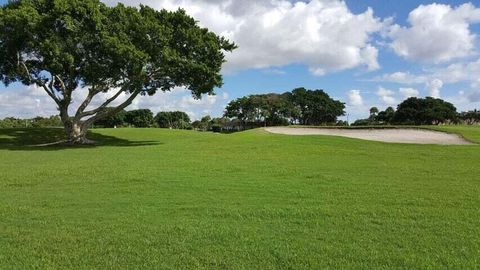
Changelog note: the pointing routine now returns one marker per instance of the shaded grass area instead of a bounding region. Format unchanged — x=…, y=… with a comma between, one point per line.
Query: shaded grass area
x=50, y=139
x=239, y=201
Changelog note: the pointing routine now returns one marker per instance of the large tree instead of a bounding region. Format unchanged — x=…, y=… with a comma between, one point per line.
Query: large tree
x=307, y=107
x=140, y=118
x=315, y=107
x=424, y=111
x=64, y=45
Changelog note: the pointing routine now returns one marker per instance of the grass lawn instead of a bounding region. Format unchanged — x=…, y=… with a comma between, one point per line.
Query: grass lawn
x=166, y=199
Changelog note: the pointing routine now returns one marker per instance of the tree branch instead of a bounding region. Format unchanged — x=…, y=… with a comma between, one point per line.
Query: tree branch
x=103, y=114
x=38, y=82
x=92, y=92
x=101, y=107
x=65, y=91
x=50, y=93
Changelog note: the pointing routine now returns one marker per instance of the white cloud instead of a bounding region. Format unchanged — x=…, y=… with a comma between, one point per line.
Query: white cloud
x=180, y=99
x=386, y=96
x=274, y=71
x=25, y=101
x=434, y=79
x=409, y=92
x=434, y=87
x=437, y=33
x=324, y=35
x=401, y=77
x=457, y=72
x=30, y=101
x=355, y=98
x=463, y=71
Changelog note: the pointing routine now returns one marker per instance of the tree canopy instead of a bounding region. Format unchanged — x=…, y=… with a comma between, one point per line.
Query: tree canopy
x=302, y=106
x=113, y=120
x=176, y=119
x=141, y=118
x=424, y=111
x=417, y=111
x=62, y=45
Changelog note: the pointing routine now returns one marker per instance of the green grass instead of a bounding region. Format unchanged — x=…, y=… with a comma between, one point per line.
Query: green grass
x=166, y=199
x=471, y=133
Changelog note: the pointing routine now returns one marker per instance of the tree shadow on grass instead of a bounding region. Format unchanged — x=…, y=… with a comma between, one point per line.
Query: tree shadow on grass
x=45, y=138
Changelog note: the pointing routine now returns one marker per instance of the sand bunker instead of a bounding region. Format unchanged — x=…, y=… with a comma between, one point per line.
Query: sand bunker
x=416, y=136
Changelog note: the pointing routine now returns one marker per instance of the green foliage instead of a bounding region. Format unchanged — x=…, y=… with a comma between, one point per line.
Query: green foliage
x=418, y=111
x=89, y=42
x=113, y=120
x=377, y=117
x=307, y=107
x=37, y=122
x=470, y=117
x=62, y=44
x=177, y=120
x=203, y=124
x=139, y=118
x=315, y=107
x=424, y=111
x=249, y=200
x=385, y=117
x=373, y=111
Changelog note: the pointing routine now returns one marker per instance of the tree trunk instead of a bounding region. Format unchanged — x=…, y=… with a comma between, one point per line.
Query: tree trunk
x=77, y=133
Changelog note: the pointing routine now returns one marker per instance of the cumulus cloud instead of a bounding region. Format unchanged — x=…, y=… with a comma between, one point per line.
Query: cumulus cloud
x=25, y=101
x=324, y=35
x=463, y=71
x=437, y=33
x=387, y=96
x=457, y=72
x=409, y=92
x=400, y=77
x=434, y=87
x=355, y=98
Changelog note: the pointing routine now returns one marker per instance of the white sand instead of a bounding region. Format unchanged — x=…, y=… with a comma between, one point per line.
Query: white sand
x=416, y=136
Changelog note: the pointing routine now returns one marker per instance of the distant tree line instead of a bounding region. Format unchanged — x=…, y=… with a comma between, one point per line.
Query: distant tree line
x=470, y=117
x=143, y=118
x=420, y=111
x=300, y=106
x=37, y=122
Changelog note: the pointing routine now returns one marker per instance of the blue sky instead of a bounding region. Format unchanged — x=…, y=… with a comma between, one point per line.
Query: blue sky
x=365, y=53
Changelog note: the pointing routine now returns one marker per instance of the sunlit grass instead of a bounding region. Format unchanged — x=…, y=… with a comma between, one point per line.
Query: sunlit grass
x=152, y=198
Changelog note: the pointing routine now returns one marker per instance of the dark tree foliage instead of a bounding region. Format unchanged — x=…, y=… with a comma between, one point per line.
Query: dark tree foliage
x=385, y=117
x=315, y=107
x=36, y=122
x=307, y=107
x=113, y=120
x=177, y=120
x=470, y=117
x=414, y=111
x=139, y=118
x=424, y=111
x=61, y=45
x=203, y=124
